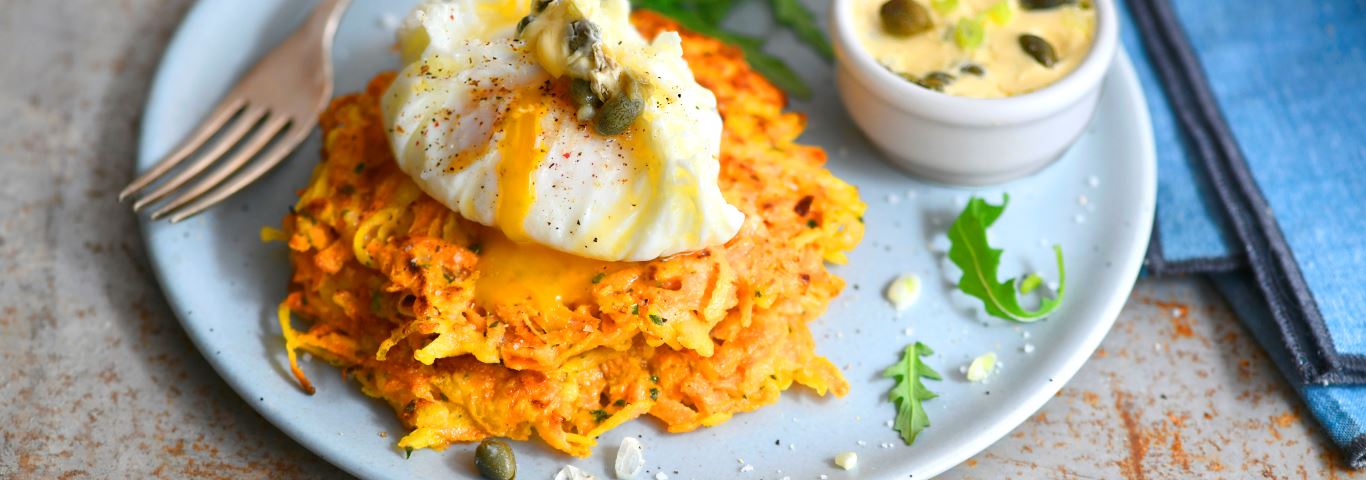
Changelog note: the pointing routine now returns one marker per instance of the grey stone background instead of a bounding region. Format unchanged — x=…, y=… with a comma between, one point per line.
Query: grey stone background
x=98, y=381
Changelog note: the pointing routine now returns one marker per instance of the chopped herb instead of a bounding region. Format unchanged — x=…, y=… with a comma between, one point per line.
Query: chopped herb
x=969, y=33
x=600, y=415
x=909, y=392
x=943, y=6
x=811, y=224
x=360, y=167
x=476, y=248
x=407, y=452
x=447, y=275
x=654, y=394
x=758, y=293
x=654, y=378
x=621, y=402
x=658, y=319
x=376, y=302
x=970, y=251
x=598, y=278
x=635, y=309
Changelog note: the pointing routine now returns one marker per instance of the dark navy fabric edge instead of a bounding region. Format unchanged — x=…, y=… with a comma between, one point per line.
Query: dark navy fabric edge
x=1278, y=277
x=1356, y=452
x=1156, y=262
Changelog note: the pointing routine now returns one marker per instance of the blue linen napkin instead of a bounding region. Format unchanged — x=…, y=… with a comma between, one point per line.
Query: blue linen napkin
x=1259, y=111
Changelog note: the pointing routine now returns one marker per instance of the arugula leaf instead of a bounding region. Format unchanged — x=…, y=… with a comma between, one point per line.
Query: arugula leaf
x=803, y=23
x=911, y=418
x=971, y=252
x=776, y=71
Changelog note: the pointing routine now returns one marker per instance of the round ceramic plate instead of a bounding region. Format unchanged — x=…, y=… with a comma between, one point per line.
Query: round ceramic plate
x=1097, y=202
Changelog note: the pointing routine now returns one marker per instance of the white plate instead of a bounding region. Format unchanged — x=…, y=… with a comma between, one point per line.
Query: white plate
x=224, y=284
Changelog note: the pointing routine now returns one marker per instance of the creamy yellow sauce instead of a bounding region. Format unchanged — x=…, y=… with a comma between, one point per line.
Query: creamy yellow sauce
x=1007, y=69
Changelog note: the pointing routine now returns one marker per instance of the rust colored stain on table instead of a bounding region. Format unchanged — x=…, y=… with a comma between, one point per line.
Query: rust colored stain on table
x=100, y=382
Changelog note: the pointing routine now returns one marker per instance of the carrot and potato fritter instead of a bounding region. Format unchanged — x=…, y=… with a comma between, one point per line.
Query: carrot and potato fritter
x=468, y=335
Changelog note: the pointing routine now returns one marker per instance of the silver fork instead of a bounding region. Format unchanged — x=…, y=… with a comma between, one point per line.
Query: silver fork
x=279, y=99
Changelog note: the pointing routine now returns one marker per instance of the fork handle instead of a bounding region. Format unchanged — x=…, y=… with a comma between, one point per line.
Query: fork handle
x=324, y=19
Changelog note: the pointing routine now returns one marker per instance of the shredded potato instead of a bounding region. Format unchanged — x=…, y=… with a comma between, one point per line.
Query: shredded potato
x=452, y=324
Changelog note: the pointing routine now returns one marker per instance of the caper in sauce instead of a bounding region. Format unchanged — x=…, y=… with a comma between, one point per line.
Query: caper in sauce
x=904, y=18
x=1044, y=4
x=541, y=5
x=618, y=113
x=935, y=81
x=1039, y=49
x=495, y=460
x=521, y=24
x=972, y=69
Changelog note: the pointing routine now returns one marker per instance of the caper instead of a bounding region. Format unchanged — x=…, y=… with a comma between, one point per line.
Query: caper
x=1039, y=48
x=581, y=92
x=618, y=113
x=539, y=5
x=1044, y=4
x=935, y=81
x=904, y=18
x=972, y=69
x=521, y=24
x=495, y=460
x=582, y=35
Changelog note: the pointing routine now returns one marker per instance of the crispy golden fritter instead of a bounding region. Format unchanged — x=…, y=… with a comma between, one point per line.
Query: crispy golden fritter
x=469, y=335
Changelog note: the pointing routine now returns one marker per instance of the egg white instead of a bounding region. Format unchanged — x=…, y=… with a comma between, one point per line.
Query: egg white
x=468, y=86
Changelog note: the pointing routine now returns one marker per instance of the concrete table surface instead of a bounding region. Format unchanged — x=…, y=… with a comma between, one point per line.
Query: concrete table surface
x=97, y=380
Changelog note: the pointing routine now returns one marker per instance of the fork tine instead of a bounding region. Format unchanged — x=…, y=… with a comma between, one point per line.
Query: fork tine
x=291, y=138
x=230, y=137
x=221, y=113
x=270, y=128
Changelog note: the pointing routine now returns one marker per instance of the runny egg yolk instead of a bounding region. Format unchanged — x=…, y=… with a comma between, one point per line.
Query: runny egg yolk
x=521, y=155
x=552, y=282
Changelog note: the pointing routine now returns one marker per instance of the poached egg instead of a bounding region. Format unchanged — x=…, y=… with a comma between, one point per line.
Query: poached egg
x=480, y=118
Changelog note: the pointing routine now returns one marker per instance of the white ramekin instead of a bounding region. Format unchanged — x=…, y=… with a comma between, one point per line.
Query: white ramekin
x=969, y=141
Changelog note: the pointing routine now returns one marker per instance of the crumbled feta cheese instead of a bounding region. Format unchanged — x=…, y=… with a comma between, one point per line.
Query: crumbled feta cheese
x=824, y=477
x=661, y=476
x=907, y=332
x=1028, y=348
x=904, y=291
x=747, y=468
x=887, y=445
x=847, y=460
x=630, y=458
x=981, y=367
x=1093, y=181
x=888, y=423
x=862, y=443
x=570, y=472
x=893, y=198
x=792, y=447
